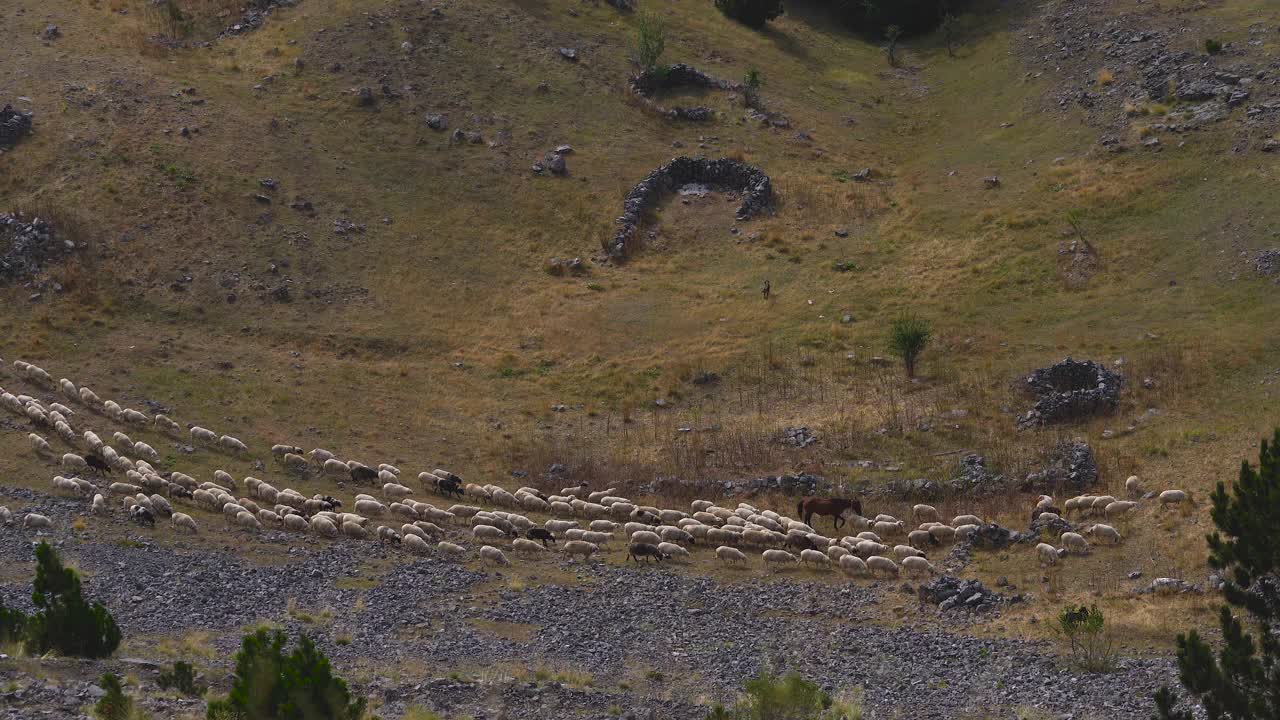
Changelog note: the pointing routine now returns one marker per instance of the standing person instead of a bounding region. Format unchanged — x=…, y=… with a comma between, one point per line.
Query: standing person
x=764, y=291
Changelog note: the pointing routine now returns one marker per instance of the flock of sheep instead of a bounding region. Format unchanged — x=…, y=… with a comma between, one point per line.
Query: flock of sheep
x=582, y=522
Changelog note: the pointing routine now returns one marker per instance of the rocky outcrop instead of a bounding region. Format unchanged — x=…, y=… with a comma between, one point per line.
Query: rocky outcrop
x=949, y=592
x=650, y=82
x=14, y=125
x=1069, y=466
x=27, y=246
x=1070, y=390
x=755, y=186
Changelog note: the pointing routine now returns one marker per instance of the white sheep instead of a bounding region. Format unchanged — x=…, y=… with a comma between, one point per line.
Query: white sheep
x=1133, y=486
x=296, y=523
x=415, y=544
x=280, y=451
x=1118, y=508
x=598, y=538
x=99, y=505
x=89, y=397
x=184, y=521
x=324, y=526
x=879, y=563
x=268, y=517
x=779, y=557
x=918, y=565
x=673, y=534
x=133, y=416
x=580, y=547
x=203, y=436
x=165, y=424
x=965, y=532
x=39, y=444
x=396, y=490
x=728, y=554
x=370, y=507
x=902, y=552
x=6, y=517
x=112, y=409
x=488, y=532
x=817, y=557
x=451, y=550
x=965, y=520
x=232, y=444
x=852, y=565
x=1104, y=532
x=943, y=533
x=492, y=555
x=72, y=461
x=1048, y=554
x=1075, y=542
x=524, y=546
x=886, y=528
x=645, y=536
x=673, y=550
x=246, y=519
x=354, y=530
x=1172, y=497
x=69, y=389
x=924, y=513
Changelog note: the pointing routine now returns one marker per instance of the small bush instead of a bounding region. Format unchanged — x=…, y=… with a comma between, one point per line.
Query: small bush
x=1106, y=77
x=752, y=13
x=1213, y=47
x=182, y=678
x=12, y=624
x=789, y=697
x=651, y=40
x=751, y=85
x=844, y=266
x=65, y=621
x=1084, y=630
x=908, y=337
x=114, y=705
x=268, y=685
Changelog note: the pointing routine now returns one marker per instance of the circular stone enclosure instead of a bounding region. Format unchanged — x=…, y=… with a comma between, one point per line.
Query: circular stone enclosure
x=1070, y=390
x=755, y=186
x=650, y=82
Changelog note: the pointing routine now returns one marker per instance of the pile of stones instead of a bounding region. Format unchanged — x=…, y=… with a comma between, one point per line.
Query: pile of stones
x=648, y=83
x=27, y=245
x=1069, y=390
x=755, y=186
x=14, y=124
x=949, y=592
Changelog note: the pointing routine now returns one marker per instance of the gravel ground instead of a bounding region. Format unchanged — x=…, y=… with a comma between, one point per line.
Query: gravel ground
x=422, y=632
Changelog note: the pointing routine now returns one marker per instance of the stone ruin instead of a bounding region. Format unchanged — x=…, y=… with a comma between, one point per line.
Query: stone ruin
x=1069, y=466
x=26, y=246
x=755, y=186
x=648, y=83
x=1069, y=390
x=14, y=124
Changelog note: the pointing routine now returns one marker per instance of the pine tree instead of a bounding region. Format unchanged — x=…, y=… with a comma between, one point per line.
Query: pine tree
x=1243, y=681
x=66, y=622
x=271, y=686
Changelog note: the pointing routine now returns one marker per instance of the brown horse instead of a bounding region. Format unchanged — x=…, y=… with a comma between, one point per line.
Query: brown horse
x=835, y=507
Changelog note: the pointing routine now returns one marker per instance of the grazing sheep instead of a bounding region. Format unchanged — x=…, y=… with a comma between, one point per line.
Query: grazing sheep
x=728, y=554
x=296, y=523
x=1048, y=554
x=778, y=557
x=1044, y=502
x=488, y=532
x=672, y=534
x=320, y=456
x=599, y=538
x=525, y=547
x=430, y=530
x=133, y=416
x=232, y=444
x=451, y=550
x=1169, y=497
x=818, y=558
x=69, y=389
x=184, y=521
x=99, y=505
x=415, y=544
x=161, y=506
x=852, y=565
x=164, y=424
x=6, y=517
x=370, y=507
x=324, y=526
x=386, y=534
x=541, y=535
x=580, y=547
x=396, y=490
x=637, y=550
x=921, y=539
x=245, y=519
x=1075, y=542
x=646, y=537
x=966, y=520
x=965, y=532
x=34, y=520
x=72, y=461
x=145, y=450
x=354, y=530
x=671, y=550
x=878, y=563
x=202, y=436
x=835, y=552
x=905, y=551
x=1104, y=532
x=267, y=517
x=39, y=444
x=1118, y=508
x=1133, y=486
x=89, y=397
x=942, y=533
x=918, y=565
x=886, y=528
x=924, y=513
x=282, y=450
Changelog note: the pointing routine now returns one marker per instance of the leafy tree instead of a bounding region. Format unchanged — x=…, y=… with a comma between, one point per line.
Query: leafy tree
x=1243, y=681
x=182, y=678
x=908, y=337
x=114, y=705
x=892, y=33
x=269, y=685
x=1084, y=629
x=751, y=87
x=752, y=13
x=789, y=697
x=651, y=40
x=65, y=622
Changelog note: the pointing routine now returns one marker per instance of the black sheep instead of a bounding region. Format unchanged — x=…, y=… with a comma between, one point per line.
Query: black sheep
x=142, y=516
x=540, y=535
x=362, y=474
x=637, y=550
x=450, y=486
x=98, y=464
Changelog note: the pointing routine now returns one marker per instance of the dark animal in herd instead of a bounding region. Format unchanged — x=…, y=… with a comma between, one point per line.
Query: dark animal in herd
x=142, y=516
x=541, y=536
x=451, y=485
x=362, y=474
x=832, y=507
x=98, y=464
x=637, y=550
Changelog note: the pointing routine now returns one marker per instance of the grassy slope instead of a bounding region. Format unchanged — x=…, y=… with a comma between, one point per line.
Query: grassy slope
x=457, y=275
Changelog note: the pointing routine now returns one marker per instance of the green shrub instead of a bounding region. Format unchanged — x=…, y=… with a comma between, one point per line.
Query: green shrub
x=1085, y=631
x=1213, y=47
x=12, y=624
x=182, y=678
x=65, y=622
x=789, y=697
x=268, y=685
x=752, y=13
x=751, y=85
x=908, y=337
x=651, y=40
x=114, y=705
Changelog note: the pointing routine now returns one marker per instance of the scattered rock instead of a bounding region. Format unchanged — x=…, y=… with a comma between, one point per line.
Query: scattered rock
x=27, y=246
x=14, y=125
x=570, y=54
x=949, y=592
x=437, y=122
x=1267, y=262
x=1169, y=586
x=800, y=437
x=51, y=32
x=364, y=97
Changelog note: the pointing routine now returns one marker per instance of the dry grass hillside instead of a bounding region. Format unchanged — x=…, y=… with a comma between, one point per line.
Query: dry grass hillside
x=422, y=328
